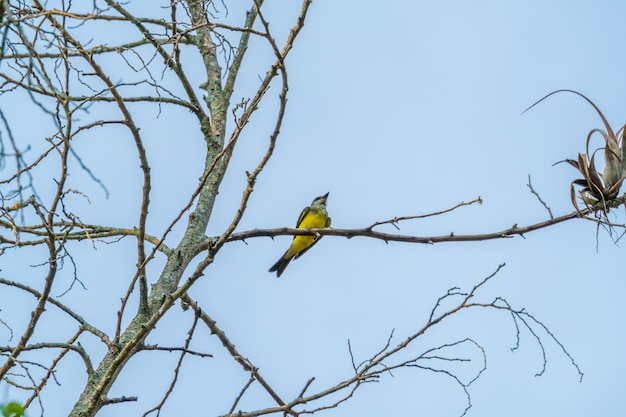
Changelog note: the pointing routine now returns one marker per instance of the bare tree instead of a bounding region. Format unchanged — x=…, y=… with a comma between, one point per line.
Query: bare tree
x=78, y=68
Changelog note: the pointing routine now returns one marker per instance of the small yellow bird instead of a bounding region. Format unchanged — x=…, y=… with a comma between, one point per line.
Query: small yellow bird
x=313, y=217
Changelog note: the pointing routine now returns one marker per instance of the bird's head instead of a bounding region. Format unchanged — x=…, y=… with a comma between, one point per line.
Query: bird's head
x=321, y=200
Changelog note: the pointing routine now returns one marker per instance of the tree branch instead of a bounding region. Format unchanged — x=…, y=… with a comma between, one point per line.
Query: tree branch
x=515, y=230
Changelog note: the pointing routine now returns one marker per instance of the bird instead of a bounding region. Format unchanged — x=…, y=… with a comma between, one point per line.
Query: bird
x=313, y=217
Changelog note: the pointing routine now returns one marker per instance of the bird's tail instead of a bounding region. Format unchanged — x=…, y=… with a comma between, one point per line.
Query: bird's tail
x=280, y=265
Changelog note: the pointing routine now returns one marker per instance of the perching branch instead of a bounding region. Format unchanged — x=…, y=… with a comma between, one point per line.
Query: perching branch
x=515, y=230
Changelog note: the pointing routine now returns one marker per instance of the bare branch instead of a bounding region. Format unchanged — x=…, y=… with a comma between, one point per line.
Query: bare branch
x=230, y=347
x=88, y=327
x=452, y=237
x=184, y=351
x=543, y=203
x=396, y=220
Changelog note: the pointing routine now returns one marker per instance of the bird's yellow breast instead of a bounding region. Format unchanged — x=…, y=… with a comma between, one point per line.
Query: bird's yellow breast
x=314, y=219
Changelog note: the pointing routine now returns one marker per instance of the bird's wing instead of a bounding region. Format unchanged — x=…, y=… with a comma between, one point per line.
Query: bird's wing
x=300, y=219
x=302, y=216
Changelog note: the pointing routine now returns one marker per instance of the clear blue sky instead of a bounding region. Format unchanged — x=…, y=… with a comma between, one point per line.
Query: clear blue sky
x=397, y=109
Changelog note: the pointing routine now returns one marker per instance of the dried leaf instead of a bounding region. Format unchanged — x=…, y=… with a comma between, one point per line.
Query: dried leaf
x=623, y=145
x=571, y=162
x=613, y=191
x=613, y=169
x=572, y=193
x=596, y=186
x=589, y=201
x=590, y=134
